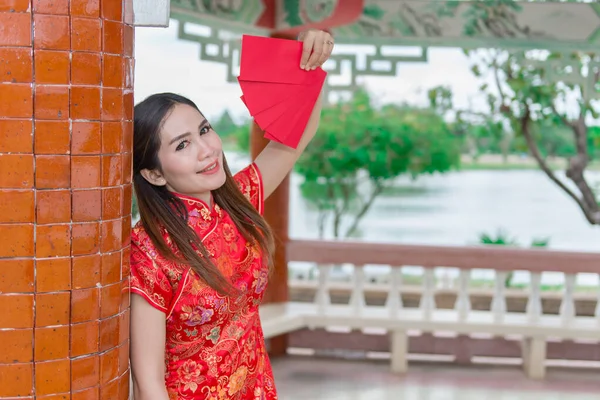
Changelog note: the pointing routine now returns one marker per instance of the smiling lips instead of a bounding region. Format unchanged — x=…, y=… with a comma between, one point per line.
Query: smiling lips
x=211, y=169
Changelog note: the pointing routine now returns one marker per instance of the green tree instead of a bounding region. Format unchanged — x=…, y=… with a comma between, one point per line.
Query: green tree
x=538, y=91
x=224, y=125
x=531, y=92
x=359, y=151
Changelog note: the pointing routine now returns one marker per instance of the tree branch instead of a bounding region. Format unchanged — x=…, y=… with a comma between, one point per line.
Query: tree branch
x=562, y=117
x=591, y=215
x=366, y=205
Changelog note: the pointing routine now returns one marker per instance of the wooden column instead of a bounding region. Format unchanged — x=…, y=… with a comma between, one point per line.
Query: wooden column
x=276, y=214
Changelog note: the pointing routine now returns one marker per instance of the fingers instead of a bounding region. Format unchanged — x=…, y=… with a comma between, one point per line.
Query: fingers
x=317, y=47
x=327, y=49
x=307, y=48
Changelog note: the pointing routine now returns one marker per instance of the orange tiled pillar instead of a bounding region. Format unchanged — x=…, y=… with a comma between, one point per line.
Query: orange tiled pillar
x=66, y=105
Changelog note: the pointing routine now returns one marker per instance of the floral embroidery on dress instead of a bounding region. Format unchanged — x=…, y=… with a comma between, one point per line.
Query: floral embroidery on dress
x=215, y=346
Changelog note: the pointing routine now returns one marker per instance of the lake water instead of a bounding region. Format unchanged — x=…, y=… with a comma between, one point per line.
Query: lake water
x=453, y=209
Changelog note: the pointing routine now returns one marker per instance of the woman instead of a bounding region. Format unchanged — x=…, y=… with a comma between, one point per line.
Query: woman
x=201, y=253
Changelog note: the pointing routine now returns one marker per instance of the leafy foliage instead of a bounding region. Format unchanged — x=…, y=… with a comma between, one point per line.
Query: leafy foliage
x=359, y=150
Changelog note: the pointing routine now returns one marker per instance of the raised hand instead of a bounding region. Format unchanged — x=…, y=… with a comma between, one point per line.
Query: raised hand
x=317, y=47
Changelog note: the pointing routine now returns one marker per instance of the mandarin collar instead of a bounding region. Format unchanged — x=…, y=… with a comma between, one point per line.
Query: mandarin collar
x=199, y=208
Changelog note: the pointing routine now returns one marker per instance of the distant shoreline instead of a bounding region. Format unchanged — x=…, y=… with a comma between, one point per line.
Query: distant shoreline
x=513, y=162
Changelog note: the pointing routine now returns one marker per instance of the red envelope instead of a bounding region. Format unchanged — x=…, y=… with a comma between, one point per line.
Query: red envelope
x=278, y=94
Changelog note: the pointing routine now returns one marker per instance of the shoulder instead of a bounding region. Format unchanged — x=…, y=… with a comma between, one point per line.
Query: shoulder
x=250, y=183
x=152, y=276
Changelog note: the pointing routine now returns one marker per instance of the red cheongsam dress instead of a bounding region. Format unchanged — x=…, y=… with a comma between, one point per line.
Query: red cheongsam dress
x=215, y=347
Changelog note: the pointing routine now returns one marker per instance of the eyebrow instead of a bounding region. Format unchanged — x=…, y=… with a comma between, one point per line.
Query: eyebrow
x=186, y=134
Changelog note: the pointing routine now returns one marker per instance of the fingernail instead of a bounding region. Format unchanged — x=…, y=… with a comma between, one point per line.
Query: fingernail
x=302, y=66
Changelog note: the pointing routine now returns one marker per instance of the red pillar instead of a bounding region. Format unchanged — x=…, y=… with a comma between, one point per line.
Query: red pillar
x=276, y=214
x=66, y=110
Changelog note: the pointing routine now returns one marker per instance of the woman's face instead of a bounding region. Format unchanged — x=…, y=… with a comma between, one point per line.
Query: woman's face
x=191, y=155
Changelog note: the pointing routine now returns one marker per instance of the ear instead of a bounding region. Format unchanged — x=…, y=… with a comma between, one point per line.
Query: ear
x=154, y=177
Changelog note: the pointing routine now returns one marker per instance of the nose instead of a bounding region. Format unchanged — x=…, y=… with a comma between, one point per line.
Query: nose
x=205, y=150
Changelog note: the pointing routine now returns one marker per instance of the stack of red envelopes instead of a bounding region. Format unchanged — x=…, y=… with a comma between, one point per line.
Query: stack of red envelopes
x=277, y=92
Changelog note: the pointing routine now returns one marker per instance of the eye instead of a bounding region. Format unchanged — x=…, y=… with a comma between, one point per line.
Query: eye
x=182, y=145
x=205, y=129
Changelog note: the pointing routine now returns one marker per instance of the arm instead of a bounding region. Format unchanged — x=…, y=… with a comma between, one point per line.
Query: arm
x=276, y=160
x=148, y=327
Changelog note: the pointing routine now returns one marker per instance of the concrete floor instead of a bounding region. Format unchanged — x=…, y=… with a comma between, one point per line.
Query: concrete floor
x=308, y=378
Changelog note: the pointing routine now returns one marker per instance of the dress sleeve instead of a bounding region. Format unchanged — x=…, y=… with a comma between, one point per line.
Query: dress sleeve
x=149, y=280
x=250, y=182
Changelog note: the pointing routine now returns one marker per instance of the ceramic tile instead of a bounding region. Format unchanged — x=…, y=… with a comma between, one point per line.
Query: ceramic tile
x=86, y=8
x=85, y=103
x=17, y=29
x=21, y=104
x=85, y=172
x=17, y=171
x=17, y=240
x=53, y=274
x=112, y=137
x=52, y=172
x=112, y=10
x=111, y=235
x=109, y=366
x=110, y=391
x=128, y=41
x=16, y=275
x=15, y=6
x=127, y=200
x=86, y=271
x=125, y=231
x=52, y=309
x=16, y=380
x=85, y=68
x=128, y=104
x=16, y=65
x=51, y=343
x=109, y=333
x=125, y=255
x=85, y=338
x=86, y=238
x=112, y=38
x=112, y=199
x=87, y=205
x=125, y=302
x=112, y=104
x=124, y=389
x=52, y=137
x=17, y=311
x=52, y=377
x=110, y=300
x=60, y=7
x=112, y=170
x=85, y=305
x=52, y=67
x=16, y=136
x=51, y=32
x=87, y=394
x=85, y=372
x=127, y=163
x=86, y=34
x=53, y=240
x=53, y=206
x=16, y=206
x=112, y=71
x=16, y=346
x=51, y=102
x=123, y=358
x=86, y=138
